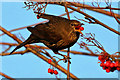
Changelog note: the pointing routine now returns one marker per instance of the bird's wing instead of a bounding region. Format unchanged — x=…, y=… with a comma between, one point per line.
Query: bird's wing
x=52, y=18
x=44, y=32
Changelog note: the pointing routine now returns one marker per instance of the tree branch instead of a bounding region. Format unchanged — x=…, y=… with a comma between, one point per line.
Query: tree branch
x=6, y=76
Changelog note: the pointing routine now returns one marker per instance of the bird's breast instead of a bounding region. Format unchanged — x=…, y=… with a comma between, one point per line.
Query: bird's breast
x=71, y=39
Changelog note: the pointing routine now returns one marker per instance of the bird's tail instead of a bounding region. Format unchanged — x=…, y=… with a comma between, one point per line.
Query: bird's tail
x=28, y=41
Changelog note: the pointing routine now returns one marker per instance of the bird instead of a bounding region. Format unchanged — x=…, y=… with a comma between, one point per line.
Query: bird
x=57, y=34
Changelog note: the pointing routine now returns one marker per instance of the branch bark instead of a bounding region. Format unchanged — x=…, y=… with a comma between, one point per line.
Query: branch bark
x=6, y=76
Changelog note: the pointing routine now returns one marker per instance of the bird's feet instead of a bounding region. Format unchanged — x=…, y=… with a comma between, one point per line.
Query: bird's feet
x=66, y=58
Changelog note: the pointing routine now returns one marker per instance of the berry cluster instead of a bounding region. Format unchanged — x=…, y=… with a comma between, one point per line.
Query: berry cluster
x=51, y=71
x=108, y=64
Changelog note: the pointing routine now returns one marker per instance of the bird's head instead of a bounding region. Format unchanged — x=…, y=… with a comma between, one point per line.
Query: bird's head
x=76, y=25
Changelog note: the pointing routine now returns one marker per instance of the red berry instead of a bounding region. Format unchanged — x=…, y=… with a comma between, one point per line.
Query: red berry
x=55, y=72
x=49, y=70
x=112, y=65
x=118, y=68
x=104, y=68
x=116, y=63
x=38, y=16
x=81, y=28
x=100, y=57
x=49, y=61
x=102, y=61
x=52, y=71
x=102, y=64
x=107, y=64
x=107, y=70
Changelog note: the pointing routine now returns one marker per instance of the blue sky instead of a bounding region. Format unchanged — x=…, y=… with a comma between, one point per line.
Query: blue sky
x=30, y=66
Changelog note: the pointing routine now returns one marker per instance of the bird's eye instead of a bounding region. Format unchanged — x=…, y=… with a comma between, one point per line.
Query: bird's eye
x=74, y=24
x=71, y=24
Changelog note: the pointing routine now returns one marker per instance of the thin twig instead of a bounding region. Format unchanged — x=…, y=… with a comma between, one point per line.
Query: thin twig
x=6, y=76
x=68, y=66
x=6, y=49
x=67, y=11
x=112, y=13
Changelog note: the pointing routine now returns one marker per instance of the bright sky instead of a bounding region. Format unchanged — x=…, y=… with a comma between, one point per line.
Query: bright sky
x=30, y=66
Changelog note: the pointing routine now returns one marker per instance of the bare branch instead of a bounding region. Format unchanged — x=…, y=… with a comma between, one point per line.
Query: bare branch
x=6, y=76
x=7, y=49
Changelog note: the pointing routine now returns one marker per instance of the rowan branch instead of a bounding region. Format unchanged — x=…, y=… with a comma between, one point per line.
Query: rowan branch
x=68, y=66
x=6, y=76
x=66, y=10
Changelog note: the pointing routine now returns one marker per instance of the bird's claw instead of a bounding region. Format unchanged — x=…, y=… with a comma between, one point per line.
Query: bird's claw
x=65, y=59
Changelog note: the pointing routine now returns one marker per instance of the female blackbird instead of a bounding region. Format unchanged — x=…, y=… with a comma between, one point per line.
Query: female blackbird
x=59, y=33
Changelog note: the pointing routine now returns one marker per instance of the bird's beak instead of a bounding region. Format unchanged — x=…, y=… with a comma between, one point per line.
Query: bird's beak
x=78, y=30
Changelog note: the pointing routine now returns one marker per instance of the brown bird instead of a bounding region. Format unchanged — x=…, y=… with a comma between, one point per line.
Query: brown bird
x=59, y=33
